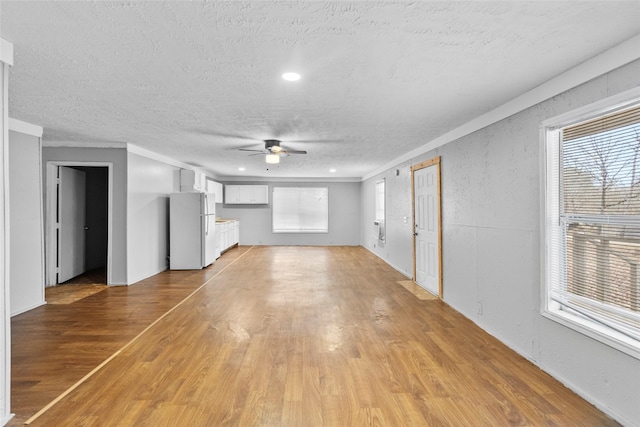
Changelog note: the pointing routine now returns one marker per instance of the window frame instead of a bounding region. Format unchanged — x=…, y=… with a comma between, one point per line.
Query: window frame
x=549, y=189
x=381, y=221
x=299, y=231
x=549, y=308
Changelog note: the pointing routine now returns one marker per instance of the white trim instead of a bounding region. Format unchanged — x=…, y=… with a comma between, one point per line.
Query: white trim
x=601, y=107
x=132, y=148
x=51, y=206
x=24, y=310
x=49, y=227
x=544, y=273
x=398, y=269
x=5, y=261
x=26, y=128
x=550, y=309
x=609, y=60
x=561, y=375
x=6, y=419
x=6, y=52
x=591, y=329
x=284, y=179
x=75, y=144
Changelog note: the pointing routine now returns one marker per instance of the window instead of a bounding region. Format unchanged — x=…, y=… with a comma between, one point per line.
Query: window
x=300, y=210
x=592, y=224
x=380, y=211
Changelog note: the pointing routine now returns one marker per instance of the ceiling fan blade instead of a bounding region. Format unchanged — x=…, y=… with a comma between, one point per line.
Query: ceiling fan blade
x=294, y=152
x=248, y=149
x=214, y=133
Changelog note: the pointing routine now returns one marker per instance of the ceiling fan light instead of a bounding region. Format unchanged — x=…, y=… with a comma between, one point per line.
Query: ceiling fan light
x=291, y=77
x=272, y=158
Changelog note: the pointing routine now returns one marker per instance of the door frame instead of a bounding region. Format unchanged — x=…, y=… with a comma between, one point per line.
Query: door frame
x=51, y=206
x=427, y=163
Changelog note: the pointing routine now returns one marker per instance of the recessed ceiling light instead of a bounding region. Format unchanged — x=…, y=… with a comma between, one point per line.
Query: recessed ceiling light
x=241, y=169
x=332, y=170
x=291, y=77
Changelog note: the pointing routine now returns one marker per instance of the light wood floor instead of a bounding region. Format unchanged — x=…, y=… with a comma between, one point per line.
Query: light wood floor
x=277, y=336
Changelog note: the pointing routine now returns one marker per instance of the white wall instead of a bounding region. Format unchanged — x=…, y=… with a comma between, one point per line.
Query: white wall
x=344, y=217
x=26, y=228
x=149, y=183
x=118, y=157
x=396, y=250
x=491, y=246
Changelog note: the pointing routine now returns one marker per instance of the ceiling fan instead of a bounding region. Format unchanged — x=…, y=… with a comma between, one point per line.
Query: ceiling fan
x=272, y=146
x=273, y=151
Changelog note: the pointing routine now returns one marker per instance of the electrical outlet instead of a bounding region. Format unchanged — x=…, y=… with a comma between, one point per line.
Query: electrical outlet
x=480, y=308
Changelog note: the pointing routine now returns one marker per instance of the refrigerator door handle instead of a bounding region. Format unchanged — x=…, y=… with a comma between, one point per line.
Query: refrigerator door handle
x=206, y=214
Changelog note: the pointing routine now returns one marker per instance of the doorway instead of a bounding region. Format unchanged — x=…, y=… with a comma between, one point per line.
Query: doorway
x=78, y=222
x=427, y=226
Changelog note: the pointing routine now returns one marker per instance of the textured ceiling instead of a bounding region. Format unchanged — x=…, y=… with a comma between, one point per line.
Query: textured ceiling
x=198, y=80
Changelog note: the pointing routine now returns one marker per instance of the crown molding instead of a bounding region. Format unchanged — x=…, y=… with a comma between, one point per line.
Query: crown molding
x=603, y=63
x=284, y=179
x=24, y=127
x=6, y=52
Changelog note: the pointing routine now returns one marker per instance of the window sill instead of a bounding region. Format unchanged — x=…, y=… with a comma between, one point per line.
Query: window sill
x=595, y=331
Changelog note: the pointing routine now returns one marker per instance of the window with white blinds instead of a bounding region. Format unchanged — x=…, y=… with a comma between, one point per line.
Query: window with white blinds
x=380, y=210
x=300, y=210
x=592, y=224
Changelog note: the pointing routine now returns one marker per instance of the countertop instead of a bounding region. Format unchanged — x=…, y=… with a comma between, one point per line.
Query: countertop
x=223, y=220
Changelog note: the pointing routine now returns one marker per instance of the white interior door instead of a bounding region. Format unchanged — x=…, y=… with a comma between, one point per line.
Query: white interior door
x=427, y=224
x=71, y=223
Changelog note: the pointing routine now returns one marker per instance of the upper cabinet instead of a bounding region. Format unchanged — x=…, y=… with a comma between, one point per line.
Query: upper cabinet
x=192, y=181
x=246, y=194
x=215, y=188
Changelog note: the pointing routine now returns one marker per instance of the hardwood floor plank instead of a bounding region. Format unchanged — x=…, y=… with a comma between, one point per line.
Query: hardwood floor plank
x=278, y=336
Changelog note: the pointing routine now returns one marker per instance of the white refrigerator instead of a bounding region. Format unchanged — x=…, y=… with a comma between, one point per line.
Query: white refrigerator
x=192, y=227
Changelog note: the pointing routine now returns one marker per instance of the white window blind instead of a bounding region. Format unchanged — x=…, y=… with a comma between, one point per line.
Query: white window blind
x=593, y=220
x=300, y=210
x=380, y=210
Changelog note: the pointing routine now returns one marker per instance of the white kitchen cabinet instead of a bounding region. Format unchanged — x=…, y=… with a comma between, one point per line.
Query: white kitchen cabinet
x=228, y=234
x=218, y=240
x=215, y=188
x=236, y=232
x=246, y=194
x=232, y=194
x=260, y=194
x=192, y=181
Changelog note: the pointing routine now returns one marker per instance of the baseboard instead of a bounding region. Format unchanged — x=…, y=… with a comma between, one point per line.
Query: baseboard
x=557, y=375
x=28, y=308
x=6, y=419
x=388, y=263
x=586, y=396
